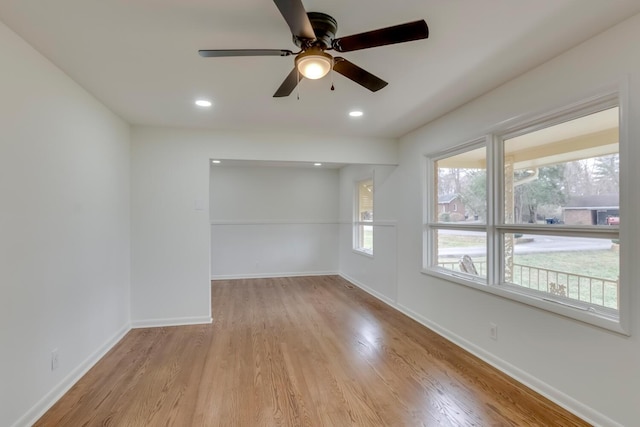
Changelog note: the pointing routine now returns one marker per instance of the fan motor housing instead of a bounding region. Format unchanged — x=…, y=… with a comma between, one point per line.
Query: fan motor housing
x=324, y=27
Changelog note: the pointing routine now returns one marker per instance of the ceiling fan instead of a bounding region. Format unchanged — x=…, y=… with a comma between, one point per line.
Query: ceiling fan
x=314, y=33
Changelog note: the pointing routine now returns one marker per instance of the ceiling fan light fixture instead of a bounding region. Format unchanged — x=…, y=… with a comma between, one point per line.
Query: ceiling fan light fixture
x=314, y=33
x=314, y=63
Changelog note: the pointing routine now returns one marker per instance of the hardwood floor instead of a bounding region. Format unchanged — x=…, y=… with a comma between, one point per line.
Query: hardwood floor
x=309, y=351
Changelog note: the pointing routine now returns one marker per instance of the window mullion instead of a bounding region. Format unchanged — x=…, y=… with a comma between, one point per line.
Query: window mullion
x=494, y=200
x=429, y=242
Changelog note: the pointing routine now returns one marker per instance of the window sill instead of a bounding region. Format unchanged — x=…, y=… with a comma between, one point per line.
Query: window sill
x=363, y=253
x=575, y=313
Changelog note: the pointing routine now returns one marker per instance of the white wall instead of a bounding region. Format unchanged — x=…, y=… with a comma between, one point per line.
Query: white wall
x=273, y=221
x=590, y=370
x=170, y=218
x=64, y=227
x=64, y=189
x=377, y=273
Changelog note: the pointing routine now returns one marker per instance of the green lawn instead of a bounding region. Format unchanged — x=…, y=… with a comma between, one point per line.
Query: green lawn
x=602, y=264
x=580, y=266
x=584, y=265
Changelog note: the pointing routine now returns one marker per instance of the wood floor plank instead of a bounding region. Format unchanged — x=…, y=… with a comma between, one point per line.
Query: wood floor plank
x=304, y=351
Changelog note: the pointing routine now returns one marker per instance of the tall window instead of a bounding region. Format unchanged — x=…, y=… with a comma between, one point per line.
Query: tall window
x=538, y=218
x=460, y=191
x=363, y=219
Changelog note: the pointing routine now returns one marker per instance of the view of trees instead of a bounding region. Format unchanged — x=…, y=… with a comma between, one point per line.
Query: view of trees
x=547, y=190
x=536, y=196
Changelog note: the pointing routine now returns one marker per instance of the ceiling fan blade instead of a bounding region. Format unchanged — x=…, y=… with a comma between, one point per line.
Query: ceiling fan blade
x=289, y=84
x=296, y=16
x=243, y=52
x=397, y=34
x=358, y=75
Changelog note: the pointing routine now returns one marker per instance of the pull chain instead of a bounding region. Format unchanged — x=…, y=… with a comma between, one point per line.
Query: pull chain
x=332, y=64
x=298, y=84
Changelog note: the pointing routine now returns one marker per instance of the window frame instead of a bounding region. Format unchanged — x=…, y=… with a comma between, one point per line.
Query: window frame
x=495, y=226
x=357, y=222
x=431, y=224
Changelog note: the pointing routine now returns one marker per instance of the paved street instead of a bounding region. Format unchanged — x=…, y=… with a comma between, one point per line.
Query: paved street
x=537, y=245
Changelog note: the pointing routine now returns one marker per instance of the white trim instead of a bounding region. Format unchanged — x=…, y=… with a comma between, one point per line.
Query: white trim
x=543, y=120
x=177, y=321
x=468, y=145
x=276, y=222
x=369, y=290
x=385, y=223
x=362, y=252
x=578, y=102
x=272, y=275
x=44, y=404
x=587, y=231
x=381, y=223
x=573, y=312
x=567, y=402
x=627, y=257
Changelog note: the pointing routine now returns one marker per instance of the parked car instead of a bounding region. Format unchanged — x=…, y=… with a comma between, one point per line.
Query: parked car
x=613, y=220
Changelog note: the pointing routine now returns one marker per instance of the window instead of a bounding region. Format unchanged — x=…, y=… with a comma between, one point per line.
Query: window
x=363, y=218
x=538, y=213
x=460, y=240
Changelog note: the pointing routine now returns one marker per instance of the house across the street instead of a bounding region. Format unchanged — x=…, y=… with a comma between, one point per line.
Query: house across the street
x=599, y=209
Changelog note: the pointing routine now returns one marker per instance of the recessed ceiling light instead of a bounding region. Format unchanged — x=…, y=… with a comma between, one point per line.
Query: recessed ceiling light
x=215, y=162
x=317, y=164
x=355, y=113
x=203, y=103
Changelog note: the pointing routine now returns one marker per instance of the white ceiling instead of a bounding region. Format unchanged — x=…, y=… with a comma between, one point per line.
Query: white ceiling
x=140, y=57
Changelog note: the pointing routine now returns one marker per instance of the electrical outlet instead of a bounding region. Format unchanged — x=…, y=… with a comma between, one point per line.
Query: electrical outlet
x=54, y=359
x=493, y=331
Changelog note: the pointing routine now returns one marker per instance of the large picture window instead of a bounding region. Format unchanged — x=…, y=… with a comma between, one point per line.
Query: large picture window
x=363, y=217
x=537, y=213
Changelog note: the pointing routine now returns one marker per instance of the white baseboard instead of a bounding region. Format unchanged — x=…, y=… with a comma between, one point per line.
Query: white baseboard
x=178, y=321
x=272, y=275
x=44, y=404
x=561, y=399
x=370, y=291
x=558, y=397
